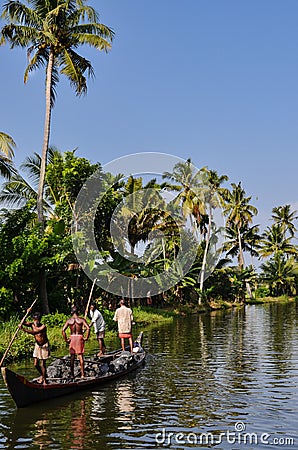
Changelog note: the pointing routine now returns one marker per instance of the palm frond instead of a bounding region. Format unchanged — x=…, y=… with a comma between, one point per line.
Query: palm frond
x=7, y=145
x=32, y=167
x=15, y=11
x=98, y=42
x=17, y=192
x=73, y=67
x=36, y=62
x=7, y=169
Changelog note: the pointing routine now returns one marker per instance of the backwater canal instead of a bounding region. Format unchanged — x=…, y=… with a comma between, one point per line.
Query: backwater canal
x=226, y=380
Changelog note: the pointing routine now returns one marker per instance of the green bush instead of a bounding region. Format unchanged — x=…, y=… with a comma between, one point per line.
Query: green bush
x=108, y=316
x=6, y=301
x=54, y=320
x=262, y=292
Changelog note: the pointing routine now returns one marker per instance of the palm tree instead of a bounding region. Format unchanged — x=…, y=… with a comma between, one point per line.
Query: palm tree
x=239, y=214
x=250, y=241
x=283, y=216
x=189, y=185
x=141, y=212
x=213, y=198
x=7, y=146
x=17, y=191
x=280, y=274
x=52, y=30
x=275, y=243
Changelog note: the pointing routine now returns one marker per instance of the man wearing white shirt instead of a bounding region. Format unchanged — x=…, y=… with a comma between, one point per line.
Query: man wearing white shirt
x=99, y=327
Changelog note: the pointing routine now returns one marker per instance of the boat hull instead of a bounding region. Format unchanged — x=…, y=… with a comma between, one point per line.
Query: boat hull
x=25, y=392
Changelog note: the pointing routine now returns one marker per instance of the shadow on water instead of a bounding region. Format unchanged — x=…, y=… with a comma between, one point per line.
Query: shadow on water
x=203, y=374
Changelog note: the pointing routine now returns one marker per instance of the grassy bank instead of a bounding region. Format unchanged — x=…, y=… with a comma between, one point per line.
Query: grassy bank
x=23, y=345
x=280, y=299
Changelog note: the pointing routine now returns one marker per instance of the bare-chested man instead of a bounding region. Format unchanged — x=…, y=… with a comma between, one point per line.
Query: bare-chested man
x=42, y=346
x=76, y=339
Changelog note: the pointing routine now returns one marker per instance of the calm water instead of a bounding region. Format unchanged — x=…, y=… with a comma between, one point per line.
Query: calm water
x=233, y=375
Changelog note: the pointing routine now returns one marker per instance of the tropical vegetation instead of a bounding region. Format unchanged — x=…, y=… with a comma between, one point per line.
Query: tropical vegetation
x=38, y=212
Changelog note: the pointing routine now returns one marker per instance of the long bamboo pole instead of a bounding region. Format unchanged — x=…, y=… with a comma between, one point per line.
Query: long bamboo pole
x=89, y=300
x=16, y=332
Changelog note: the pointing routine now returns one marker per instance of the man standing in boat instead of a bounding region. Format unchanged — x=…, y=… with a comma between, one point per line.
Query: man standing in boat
x=99, y=327
x=124, y=317
x=76, y=339
x=42, y=347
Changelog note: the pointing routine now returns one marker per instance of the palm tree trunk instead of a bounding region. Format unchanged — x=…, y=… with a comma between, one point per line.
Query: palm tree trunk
x=40, y=191
x=202, y=275
x=46, y=138
x=241, y=265
x=241, y=258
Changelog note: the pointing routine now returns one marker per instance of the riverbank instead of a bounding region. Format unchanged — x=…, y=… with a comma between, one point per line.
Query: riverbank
x=217, y=305
x=280, y=299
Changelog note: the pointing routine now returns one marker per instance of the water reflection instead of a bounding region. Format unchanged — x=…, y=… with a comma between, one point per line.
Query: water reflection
x=41, y=437
x=124, y=396
x=76, y=436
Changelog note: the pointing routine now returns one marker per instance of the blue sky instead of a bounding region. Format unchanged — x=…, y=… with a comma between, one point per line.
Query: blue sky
x=212, y=80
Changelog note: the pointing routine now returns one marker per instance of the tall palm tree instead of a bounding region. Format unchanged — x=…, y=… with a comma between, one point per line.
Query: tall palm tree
x=250, y=241
x=188, y=184
x=140, y=213
x=213, y=194
x=52, y=30
x=7, y=146
x=283, y=216
x=239, y=214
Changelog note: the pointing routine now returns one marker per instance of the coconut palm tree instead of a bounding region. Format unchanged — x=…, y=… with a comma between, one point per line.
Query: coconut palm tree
x=239, y=214
x=283, y=216
x=17, y=191
x=188, y=182
x=250, y=241
x=141, y=212
x=275, y=243
x=281, y=275
x=213, y=198
x=52, y=30
x=7, y=146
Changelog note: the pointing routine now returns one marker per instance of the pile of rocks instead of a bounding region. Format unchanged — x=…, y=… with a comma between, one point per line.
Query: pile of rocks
x=125, y=360
x=59, y=370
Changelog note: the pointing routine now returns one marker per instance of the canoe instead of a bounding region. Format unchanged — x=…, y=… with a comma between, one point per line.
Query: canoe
x=25, y=392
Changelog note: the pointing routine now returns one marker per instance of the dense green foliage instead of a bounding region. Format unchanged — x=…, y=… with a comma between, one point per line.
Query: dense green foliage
x=25, y=251
x=37, y=258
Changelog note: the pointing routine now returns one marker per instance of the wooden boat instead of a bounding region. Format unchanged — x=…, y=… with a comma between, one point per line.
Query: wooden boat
x=25, y=392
